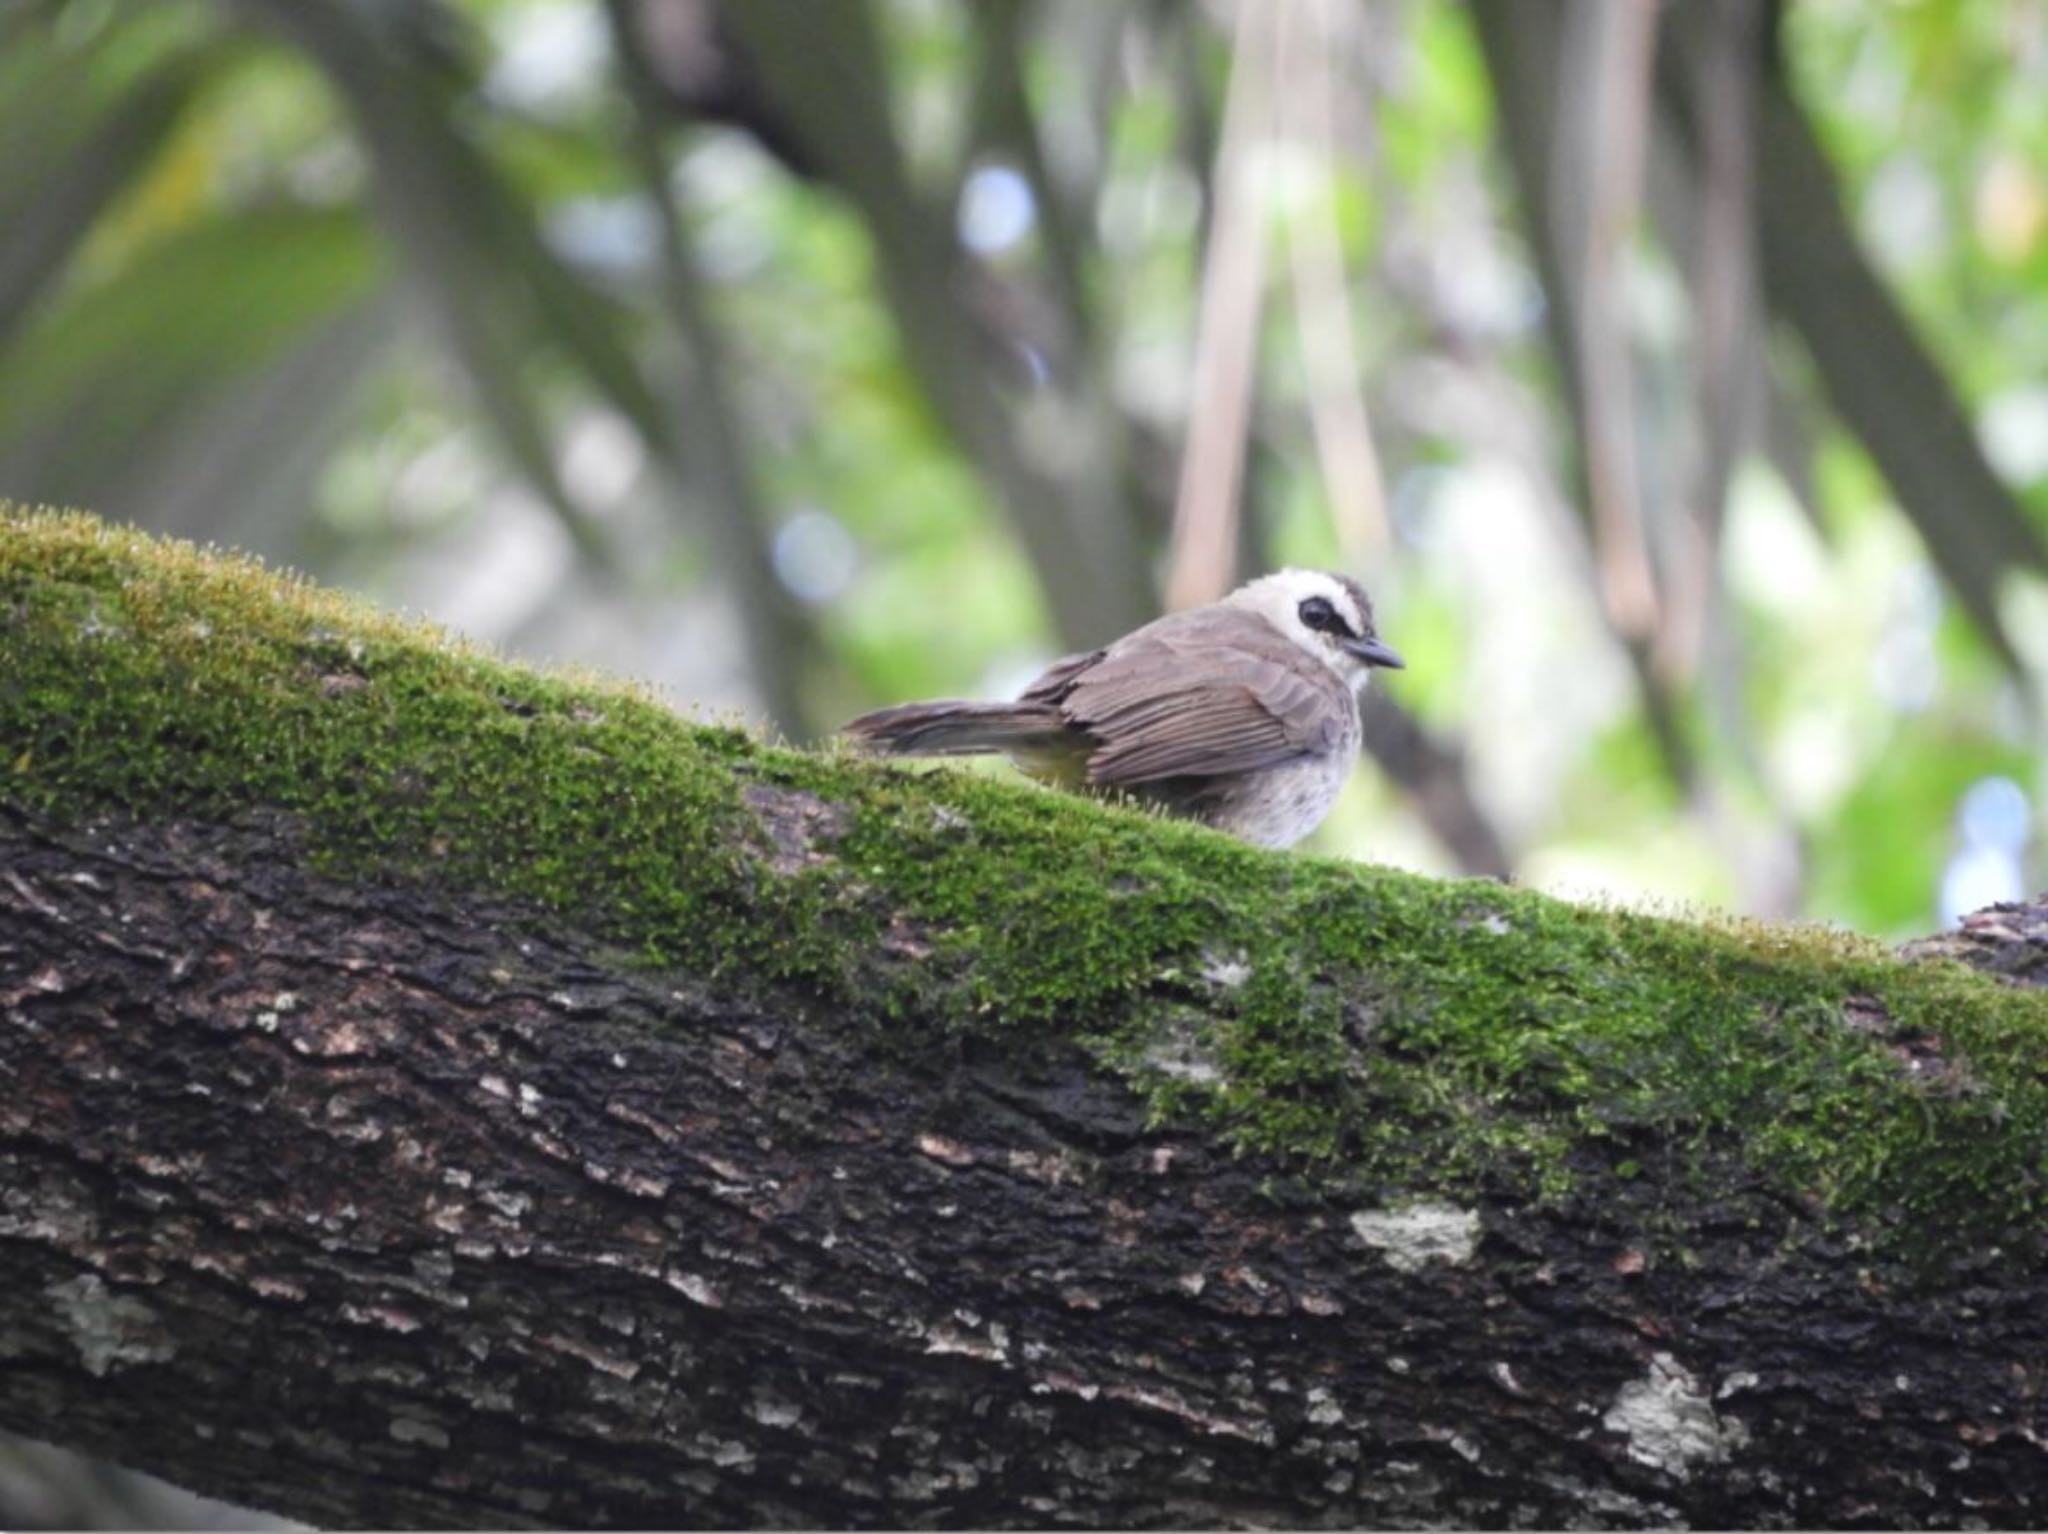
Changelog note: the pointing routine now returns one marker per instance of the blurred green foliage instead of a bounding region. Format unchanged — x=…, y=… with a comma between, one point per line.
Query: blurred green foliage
x=378, y=288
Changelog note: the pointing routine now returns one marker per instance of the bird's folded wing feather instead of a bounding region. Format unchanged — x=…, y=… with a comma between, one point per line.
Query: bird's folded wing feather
x=1203, y=698
x=1057, y=680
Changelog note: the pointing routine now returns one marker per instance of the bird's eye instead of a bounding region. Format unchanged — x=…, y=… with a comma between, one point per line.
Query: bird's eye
x=1317, y=613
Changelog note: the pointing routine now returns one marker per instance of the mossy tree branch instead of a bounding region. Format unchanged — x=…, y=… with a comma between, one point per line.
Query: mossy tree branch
x=432, y=1092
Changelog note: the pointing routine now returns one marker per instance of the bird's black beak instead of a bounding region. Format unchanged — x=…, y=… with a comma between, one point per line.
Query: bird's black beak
x=1375, y=652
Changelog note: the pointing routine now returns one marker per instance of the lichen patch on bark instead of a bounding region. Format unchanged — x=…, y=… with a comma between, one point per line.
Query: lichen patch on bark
x=1413, y=1237
x=111, y=1330
x=1670, y=1422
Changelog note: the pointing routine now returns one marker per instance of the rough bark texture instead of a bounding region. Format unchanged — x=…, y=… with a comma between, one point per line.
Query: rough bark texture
x=375, y=1200
x=377, y=1209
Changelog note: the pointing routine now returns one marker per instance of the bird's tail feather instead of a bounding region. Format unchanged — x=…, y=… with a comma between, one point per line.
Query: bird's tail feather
x=955, y=728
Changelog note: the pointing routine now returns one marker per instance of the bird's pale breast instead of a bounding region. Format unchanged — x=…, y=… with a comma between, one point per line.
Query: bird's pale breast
x=1280, y=806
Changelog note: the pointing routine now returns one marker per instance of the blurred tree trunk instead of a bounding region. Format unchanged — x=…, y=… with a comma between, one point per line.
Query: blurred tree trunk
x=1886, y=387
x=371, y=1201
x=818, y=75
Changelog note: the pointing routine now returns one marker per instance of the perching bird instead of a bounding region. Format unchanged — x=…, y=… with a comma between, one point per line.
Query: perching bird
x=1242, y=714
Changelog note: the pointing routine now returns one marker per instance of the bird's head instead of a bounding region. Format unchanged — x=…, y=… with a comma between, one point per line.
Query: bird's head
x=1328, y=615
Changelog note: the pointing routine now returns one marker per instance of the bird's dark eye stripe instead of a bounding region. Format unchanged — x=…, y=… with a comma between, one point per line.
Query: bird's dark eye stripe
x=1317, y=613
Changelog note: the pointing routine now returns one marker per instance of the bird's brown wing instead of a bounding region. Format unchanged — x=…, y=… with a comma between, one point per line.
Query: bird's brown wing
x=1200, y=694
x=1057, y=680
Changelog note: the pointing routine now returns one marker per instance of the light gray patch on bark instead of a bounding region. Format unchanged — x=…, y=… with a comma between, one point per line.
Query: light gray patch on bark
x=1180, y=1053
x=419, y=1430
x=108, y=1329
x=1226, y=970
x=1670, y=1423
x=1420, y=1234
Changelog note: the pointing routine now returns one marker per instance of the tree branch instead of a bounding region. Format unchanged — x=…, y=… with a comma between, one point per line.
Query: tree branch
x=1878, y=374
x=436, y=1093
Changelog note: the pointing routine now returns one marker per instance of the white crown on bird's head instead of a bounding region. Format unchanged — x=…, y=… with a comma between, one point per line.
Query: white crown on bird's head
x=1350, y=645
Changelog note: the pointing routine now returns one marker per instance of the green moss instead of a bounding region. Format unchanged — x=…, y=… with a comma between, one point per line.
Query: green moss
x=1401, y=1033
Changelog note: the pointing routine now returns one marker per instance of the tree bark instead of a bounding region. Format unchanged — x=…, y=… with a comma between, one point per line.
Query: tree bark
x=379, y=1196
